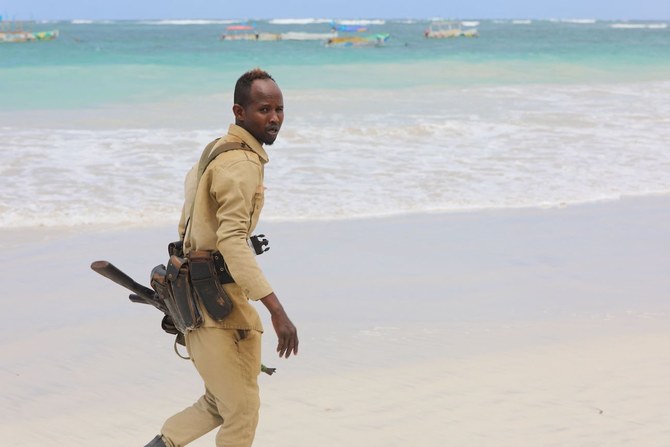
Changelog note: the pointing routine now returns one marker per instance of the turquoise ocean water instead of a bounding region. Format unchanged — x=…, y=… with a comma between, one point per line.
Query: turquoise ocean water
x=100, y=125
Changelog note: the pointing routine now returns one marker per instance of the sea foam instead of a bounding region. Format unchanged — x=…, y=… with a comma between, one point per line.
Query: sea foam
x=391, y=152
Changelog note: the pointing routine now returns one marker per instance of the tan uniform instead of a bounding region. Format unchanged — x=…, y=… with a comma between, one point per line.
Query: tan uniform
x=228, y=202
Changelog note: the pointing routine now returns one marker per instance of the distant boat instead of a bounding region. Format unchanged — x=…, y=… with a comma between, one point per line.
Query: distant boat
x=349, y=28
x=374, y=40
x=11, y=32
x=298, y=35
x=239, y=27
x=446, y=29
x=249, y=32
x=251, y=36
x=239, y=32
x=354, y=26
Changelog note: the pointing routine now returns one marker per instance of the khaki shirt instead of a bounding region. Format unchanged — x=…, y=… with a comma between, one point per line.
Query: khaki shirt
x=228, y=203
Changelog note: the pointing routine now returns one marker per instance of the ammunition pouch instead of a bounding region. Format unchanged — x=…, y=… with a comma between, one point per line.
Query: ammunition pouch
x=173, y=286
x=196, y=277
x=185, y=281
x=159, y=284
x=208, y=274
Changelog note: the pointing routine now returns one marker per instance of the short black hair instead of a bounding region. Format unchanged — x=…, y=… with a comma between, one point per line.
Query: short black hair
x=242, y=93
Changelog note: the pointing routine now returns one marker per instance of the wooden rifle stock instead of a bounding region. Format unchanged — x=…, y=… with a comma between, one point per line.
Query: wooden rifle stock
x=142, y=294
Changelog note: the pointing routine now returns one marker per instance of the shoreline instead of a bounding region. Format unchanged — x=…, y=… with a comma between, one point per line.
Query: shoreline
x=482, y=211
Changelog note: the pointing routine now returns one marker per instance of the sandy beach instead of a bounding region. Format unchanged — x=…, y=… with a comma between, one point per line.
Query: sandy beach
x=521, y=327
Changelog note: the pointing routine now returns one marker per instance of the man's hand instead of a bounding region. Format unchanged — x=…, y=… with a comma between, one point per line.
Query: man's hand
x=287, y=334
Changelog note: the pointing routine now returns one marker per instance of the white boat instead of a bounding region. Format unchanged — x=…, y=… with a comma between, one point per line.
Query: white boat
x=251, y=36
x=445, y=29
x=298, y=35
x=247, y=32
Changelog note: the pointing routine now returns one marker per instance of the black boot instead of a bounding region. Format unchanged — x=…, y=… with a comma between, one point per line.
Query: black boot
x=156, y=442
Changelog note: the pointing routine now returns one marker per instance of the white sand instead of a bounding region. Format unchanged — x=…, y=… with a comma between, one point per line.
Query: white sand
x=506, y=328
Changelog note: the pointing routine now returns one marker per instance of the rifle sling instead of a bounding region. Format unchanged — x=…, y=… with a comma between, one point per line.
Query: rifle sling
x=208, y=155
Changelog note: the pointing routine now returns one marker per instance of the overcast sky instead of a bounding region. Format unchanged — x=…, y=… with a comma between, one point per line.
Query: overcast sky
x=336, y=9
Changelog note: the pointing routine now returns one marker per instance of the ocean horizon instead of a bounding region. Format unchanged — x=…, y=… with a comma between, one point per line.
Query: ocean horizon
x=100, y=125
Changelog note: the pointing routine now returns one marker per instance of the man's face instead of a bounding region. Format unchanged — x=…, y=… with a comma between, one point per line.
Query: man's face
x=264, y=114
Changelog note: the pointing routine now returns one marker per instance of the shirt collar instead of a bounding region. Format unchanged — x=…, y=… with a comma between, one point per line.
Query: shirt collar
x=249, y=139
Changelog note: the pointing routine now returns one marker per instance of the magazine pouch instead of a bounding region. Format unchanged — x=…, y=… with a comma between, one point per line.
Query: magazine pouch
x=158, y=281
x=181, y=302
x=207, y=285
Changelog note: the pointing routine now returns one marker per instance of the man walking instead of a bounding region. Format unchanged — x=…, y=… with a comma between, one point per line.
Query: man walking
x=221, y=210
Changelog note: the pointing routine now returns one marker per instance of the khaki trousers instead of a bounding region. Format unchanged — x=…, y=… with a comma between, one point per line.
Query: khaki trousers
x=229, y=362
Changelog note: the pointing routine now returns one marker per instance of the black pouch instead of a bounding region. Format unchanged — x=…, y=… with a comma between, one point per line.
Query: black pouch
x=207, y=285
x=181, y=301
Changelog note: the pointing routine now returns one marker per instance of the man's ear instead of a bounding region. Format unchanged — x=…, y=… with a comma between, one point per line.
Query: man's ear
x=238, y=111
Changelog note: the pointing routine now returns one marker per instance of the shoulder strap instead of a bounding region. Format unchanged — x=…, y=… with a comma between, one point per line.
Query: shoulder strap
x=208, y=155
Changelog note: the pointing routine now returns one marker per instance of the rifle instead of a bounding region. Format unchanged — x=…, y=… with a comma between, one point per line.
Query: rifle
x=141, y=294
x=144, y=295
